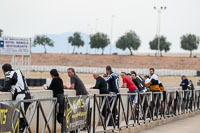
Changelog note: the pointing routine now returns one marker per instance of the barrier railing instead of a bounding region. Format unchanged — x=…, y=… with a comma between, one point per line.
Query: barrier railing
x=23, y=123
x=123, y=111
x=111, y=112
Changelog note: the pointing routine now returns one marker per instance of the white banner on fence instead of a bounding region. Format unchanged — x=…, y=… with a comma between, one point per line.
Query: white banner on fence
x=15, y=46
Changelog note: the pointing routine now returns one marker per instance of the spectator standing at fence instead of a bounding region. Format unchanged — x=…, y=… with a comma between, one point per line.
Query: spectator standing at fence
x=113, y=87
x=184, y=82
x=154, y=81
x=76, y=83
x=129, y=75
x=127, y=83
x=100, y=84
x=146, y=79
x=103, y=88
x=138, y=81
x=15, y=83
x=112, y=80
x=57, y=87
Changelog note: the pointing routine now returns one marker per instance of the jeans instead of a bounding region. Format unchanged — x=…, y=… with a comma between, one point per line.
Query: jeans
x=133, y=96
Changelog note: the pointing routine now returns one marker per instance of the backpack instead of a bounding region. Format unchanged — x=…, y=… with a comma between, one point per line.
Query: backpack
x=190, y=85
x=141, y=84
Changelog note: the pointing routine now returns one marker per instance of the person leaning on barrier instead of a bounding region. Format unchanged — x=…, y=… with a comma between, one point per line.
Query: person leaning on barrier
x=153, y=85
x=112, y=80
x=103, y=88
x=138, y=81
x=15, y=83
x=113, y=87
x=184, y=82
x=57, y=87
x=76, y=83
x=146, y=79
x=129, y=75
x=100, y=84
x=127, y=83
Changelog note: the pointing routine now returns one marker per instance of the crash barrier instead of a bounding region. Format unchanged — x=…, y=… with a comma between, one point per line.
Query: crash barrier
x=17, y=117
x=161, y=72
x=114, y=114
x=30, y=82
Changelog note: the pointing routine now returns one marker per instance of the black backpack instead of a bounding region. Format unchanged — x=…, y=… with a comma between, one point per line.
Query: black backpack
x=190, y=85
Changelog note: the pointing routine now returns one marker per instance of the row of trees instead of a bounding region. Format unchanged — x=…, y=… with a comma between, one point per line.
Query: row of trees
x=129, y=40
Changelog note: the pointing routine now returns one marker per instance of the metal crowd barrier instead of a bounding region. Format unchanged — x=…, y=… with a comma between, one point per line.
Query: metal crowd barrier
x=23, y=123
x=111, y=112
x=117, y=111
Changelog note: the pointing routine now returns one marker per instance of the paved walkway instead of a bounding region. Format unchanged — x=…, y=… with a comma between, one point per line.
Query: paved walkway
x=187, y=125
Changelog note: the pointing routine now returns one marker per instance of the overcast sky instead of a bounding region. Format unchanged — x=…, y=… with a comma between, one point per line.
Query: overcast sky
x=26, y=18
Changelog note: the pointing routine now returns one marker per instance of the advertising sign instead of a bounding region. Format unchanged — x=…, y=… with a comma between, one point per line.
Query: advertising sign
x=9, y=117
x=15, y=46
x=76, y=112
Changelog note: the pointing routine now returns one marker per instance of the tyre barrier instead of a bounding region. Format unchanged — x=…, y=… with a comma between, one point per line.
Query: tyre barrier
x=36, y=82
x=30, y=82
x=1, y=82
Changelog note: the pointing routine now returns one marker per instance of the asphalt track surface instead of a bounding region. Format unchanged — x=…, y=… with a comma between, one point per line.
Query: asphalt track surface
x=187, y=125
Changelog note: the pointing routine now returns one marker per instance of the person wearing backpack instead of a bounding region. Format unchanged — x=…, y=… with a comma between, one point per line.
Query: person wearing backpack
x=138, y=81
x=184, y=82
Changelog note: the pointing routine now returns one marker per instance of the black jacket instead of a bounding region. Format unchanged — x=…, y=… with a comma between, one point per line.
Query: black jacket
x=101, y=85
x=56, y=86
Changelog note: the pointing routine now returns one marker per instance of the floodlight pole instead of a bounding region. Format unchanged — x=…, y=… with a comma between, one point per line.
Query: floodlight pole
x=88, y=32
x=159, y=10
x=111, y=32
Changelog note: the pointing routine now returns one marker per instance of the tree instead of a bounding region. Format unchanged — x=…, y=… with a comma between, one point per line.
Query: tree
x=130, y=41
x=164, y=44
x=76, y=40
x=1, y=32
x=43, y=40
x=189, y=42
x=99, y=40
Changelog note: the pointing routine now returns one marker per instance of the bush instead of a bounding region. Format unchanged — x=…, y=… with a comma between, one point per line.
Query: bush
x=115, y=53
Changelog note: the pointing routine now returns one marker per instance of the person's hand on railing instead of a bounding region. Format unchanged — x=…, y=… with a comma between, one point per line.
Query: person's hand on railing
x=65, y=86
x=45, y=86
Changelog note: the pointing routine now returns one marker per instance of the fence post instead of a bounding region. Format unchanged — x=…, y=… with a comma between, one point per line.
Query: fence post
x=62, y=126
x=118, y=98
x=128, y=98
x=138, y=109
x=94, y=108
x=38, y=118
x=55, y=117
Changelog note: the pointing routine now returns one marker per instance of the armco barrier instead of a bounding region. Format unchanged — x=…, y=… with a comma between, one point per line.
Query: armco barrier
x=161, y=72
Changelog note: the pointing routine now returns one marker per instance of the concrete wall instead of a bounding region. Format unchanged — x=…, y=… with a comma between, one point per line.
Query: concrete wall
x=5, y=96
